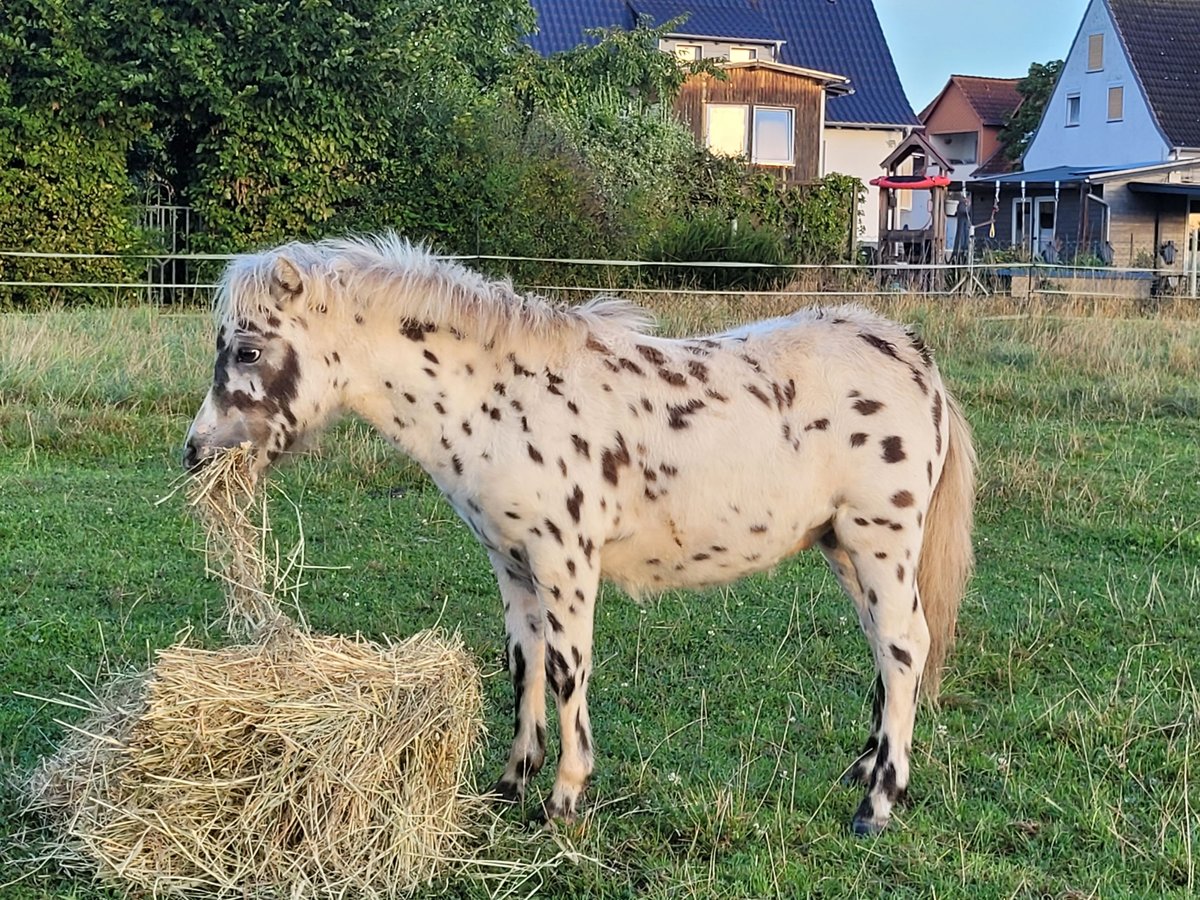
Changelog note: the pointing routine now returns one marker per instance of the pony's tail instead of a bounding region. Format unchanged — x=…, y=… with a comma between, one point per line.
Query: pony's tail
x=947, y=557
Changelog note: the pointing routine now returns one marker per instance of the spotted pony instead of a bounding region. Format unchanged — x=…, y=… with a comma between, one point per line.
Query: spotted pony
x=578, y=446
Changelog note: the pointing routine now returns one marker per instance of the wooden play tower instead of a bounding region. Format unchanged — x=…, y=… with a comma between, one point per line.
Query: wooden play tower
x=922, y=240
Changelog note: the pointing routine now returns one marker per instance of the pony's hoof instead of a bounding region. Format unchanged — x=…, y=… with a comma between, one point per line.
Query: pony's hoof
x=504, y=791
x=867, y=827
x=558, y=811
x=865, y=822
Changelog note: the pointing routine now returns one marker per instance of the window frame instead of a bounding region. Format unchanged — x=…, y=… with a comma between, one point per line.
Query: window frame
x=791, y=136
x=752, y=51
x=1096, y=50
x=1078, y=99
x=697, y=55
x=1120, y=117
x=1020, y=233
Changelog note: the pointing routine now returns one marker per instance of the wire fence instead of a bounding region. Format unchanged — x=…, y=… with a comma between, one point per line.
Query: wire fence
x=31, y=279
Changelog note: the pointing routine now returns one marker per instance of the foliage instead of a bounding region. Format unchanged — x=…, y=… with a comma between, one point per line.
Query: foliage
x=64, y=186
x=712, y=236
x=298, y=119
x=1035, y=90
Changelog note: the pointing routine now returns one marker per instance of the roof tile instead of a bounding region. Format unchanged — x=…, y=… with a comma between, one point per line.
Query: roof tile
x=843, y=37
x=1162, y=38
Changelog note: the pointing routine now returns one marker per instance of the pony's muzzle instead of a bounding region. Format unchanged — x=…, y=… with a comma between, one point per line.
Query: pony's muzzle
x=203, y=444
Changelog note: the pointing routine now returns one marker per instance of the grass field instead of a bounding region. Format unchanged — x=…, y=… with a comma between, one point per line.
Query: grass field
x=1063, y=761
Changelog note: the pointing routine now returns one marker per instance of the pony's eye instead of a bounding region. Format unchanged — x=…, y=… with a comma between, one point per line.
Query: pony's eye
x=248, y=355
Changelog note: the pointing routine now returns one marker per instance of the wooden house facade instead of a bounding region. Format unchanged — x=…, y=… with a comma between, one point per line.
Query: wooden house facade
x=770, y=114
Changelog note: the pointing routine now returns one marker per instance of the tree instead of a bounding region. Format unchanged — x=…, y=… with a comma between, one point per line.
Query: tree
x=1035, y=90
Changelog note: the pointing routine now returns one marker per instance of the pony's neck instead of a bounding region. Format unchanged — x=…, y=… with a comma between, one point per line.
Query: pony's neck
x=432, y=387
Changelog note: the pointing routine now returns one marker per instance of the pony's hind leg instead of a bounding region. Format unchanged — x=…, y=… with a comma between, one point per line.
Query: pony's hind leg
x=843, y=568
x=884, y=563
x=525, y=648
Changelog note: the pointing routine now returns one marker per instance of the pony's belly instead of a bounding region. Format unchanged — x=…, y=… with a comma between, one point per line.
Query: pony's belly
x=659, y=559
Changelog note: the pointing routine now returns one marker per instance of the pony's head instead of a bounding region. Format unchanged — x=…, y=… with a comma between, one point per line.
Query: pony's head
x=264, y=391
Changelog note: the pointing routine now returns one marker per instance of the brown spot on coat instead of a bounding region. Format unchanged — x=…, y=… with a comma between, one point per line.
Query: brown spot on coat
x=676, y=379
x=581, y=446
x=759, y=394
x=893, y=449
x=677, y=414
x=534, y=453
x=867, y=407
x=858, y=439
x=612, y=459
x=818, y=425
x=652, y=354
x=574, y=502
x=902, y=499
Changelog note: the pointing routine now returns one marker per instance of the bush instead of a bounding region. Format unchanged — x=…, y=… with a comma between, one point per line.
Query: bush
x=712, y=237
x=63, y=189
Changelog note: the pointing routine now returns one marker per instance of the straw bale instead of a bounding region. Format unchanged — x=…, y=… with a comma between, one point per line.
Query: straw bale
x=306, y=766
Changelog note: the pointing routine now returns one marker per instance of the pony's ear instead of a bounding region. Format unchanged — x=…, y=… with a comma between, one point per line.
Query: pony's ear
x=286, y=282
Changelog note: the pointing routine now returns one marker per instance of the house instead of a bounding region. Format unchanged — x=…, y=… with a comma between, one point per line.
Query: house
x=863, y=127
x=964, y=122
x=1112, y=173
x=779, y=53
x=767, y=112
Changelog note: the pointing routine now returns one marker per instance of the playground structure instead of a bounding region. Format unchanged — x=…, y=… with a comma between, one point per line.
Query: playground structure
x=899, y=242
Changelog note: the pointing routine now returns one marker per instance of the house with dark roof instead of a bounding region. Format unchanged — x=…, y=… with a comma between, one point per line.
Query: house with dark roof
x=964, y=122
x=1113, y=170
x=784, y=46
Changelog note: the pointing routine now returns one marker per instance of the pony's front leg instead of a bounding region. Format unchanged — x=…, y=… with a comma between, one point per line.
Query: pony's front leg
x=569, y=596
x=525, y=649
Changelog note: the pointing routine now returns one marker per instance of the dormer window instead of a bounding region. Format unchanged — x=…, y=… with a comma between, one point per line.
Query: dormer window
x=742, y=54
x=688, y=52
x=1095, y=52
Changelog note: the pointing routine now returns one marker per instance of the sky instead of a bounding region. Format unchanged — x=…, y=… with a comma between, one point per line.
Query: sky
x=934, y=39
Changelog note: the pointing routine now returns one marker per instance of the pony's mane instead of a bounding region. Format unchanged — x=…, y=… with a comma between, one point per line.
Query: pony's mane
x=368, y=274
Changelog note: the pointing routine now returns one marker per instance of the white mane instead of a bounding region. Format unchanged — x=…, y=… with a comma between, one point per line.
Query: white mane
x=367, y=274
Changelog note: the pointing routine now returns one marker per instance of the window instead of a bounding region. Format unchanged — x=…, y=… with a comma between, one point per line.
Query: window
x=727, y=132
x=1022, y=213
x=1095, y=52
x=1116, y=103
x=687, y=52
x=1072, y=110
x=773, y=134
x=762, y=134
x=742, y=54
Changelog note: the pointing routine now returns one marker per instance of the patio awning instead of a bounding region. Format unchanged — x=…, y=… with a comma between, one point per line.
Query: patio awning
x=1164, y=187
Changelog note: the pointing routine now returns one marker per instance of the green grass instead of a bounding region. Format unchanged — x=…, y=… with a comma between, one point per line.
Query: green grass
x=1062, y=762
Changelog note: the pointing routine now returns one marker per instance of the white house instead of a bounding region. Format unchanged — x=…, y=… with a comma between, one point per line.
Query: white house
x=1113, y=171
x=1118, y=100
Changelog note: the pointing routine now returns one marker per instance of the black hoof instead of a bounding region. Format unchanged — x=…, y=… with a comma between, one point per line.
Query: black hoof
x=865, y=822
x=505, y=792
x=866, y=827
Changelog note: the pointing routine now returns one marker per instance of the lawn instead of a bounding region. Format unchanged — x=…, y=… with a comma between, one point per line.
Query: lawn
x=1063, y=760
